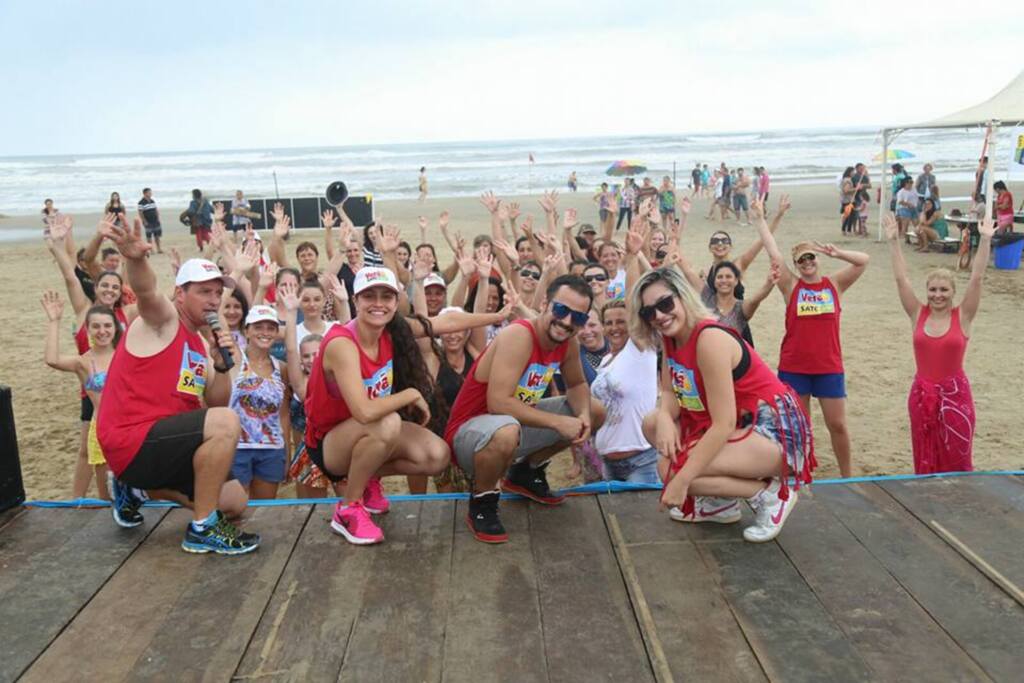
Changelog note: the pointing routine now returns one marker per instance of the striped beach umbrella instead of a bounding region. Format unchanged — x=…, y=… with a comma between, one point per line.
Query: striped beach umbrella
x=623, y=168
x=895, y=155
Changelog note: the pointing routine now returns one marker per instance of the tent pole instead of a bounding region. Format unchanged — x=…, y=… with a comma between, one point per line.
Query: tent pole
x=991, y=174
x=883, y=202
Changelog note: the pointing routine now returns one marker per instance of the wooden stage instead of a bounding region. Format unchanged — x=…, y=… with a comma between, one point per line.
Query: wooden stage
x=875, y=581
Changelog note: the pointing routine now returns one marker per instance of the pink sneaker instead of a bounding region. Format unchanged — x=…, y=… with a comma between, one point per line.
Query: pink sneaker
x=373, y=497
x=355, y=524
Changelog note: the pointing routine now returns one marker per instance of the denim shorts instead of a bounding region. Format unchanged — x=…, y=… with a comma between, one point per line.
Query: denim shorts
x=786, y=425
x=904, y=212
x=265, y=464
x=828, y=385
x=739, y=202
x=641, y=468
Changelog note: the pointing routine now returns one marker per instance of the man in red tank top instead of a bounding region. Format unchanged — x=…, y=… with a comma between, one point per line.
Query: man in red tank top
x=155, y=432
x=500, y=422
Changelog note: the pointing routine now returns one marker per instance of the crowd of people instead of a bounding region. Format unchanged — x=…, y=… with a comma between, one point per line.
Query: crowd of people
x=376, y=359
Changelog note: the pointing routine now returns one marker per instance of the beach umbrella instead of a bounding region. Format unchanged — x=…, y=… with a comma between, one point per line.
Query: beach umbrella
x=895, y=155
x=621, y=168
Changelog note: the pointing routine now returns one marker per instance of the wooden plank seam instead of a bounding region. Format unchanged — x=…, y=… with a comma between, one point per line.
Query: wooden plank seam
x=994, y=575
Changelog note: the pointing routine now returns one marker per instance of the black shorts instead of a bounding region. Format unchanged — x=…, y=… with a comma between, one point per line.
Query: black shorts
x=316, y=454
x=85, y=412
x=164, y=461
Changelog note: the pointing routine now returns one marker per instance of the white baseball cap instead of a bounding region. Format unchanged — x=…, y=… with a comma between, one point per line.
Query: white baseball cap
x=201, y=270
x=434, y=280
x=261, y=313
x=374, y=277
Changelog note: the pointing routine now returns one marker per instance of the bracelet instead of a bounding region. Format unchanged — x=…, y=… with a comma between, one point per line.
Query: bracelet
x=220, y=369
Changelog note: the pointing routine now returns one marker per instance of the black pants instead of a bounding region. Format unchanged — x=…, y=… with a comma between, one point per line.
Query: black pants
x=850, y=221
x=626, y=213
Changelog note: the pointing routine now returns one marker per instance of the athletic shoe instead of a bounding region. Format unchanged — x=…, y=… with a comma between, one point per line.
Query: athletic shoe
x=771, y=511
x=353, y=522
x=710, y=509
x=531, y=482
x=482, y=518
x=221, y=537
x=125, y=504
x=373, y=497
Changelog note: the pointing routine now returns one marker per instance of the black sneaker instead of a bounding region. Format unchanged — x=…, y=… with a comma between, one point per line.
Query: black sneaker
x=125, y=504
x=221, y=537
x=482, y=518
x=531, y=482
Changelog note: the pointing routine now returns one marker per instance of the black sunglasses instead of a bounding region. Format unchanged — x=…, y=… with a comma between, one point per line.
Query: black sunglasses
x=560, y=310
x=719, y=240
x=600, y=277
x=532, y=274
x=665, y=304
x=806, y=258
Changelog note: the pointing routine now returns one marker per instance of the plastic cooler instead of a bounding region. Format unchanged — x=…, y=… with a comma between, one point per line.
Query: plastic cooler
x=1007, y=250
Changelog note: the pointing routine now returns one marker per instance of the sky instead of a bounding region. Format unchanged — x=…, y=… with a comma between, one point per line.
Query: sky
x=113, y=77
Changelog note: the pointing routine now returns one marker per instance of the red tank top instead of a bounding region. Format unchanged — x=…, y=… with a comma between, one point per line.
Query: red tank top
x=140, y=391
x=533, y=382
x=811, y=344
x=938, y=358
x=325, y=407
x=82, y=336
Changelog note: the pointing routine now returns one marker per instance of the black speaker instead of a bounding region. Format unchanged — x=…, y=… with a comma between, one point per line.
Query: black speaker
x=306, y=212
x=12, y=490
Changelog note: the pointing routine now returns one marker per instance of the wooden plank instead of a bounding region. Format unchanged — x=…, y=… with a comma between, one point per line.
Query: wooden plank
x=897, y=639
x=7, y=516
x=304, y=632
x=400, y=630
x=169, y=611
x=585, y=610
x=984, y=621
x=54, y=561
x=699, y=635
x=1005, y=493
x=494, y=609
x=973, y=513
x=793, y=636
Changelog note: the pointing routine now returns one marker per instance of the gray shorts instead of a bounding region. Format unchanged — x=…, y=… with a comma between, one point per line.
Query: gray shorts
x=475, y=434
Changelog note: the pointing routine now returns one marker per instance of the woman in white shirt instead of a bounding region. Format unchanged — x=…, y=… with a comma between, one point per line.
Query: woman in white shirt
x=627, y=385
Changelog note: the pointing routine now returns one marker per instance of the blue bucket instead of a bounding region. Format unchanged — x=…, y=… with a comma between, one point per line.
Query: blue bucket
x=1007, y=253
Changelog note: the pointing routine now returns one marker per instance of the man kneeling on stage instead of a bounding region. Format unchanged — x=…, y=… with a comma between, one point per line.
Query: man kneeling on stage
x=154, y=430
x=499, y=418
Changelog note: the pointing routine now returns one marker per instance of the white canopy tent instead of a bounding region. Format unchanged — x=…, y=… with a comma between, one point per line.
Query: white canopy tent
x=1005, y=107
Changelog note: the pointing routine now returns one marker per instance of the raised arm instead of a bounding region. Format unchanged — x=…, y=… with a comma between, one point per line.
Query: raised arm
x=59, y=231
x=754, y=249
x=327, y=219
x=972, y=295
x=282, y=226
x=286, y=294
x=858, y=261
x=54, y=309
x=155, y=309
x=910, y=302
x=90, y=257
x=753, y=300
x=786, y=276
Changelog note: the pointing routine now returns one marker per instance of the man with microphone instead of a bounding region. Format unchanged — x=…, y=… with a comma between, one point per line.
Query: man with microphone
x=164, y=424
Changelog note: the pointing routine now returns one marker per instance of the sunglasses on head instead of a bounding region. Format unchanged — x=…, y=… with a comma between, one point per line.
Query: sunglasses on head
x=532, y=274
x=665, y=304
x=806, y=258
x=599, y=277
x=560, y=310
x=720, y=240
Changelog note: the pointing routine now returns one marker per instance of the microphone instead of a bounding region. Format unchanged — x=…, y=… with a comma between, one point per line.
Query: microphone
x=213, y=320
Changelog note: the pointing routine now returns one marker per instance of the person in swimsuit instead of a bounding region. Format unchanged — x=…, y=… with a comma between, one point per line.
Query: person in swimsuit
x=423, y=184
x=811, y=358
x=104, y=332
x=726, y=426
x=940, y=403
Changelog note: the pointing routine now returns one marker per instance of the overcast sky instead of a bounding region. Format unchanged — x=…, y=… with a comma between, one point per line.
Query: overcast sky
x=89, y=77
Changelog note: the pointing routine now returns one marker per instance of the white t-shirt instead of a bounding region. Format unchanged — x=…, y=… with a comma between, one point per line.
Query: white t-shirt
x=627, y=385
x=301, y=331
x=908, y=196
x=617, y=286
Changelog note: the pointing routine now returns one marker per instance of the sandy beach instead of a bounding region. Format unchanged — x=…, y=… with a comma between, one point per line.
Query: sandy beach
x=876, y=334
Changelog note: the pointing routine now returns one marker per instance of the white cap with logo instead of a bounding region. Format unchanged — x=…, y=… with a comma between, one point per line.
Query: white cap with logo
x=434, y=280
x=374, y=277
x=200, y=270
x=260, y=313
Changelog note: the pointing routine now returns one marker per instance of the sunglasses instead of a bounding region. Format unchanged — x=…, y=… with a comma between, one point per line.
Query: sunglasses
x=560, y=310
x=665, y=304
x=532, y=274
x=719, y=240
x=601, y=277
x=806, y=258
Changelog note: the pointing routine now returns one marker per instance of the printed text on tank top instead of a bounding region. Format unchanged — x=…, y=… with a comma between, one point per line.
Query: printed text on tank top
x=684, y=381
x=814, y=301
x=537, y=376
x=377, y=385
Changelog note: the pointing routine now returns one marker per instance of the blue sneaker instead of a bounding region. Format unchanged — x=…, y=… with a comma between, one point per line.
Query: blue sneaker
x=125, y=504
x=221, y=537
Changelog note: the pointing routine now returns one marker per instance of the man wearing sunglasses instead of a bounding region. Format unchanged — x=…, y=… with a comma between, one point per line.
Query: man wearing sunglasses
x=500, y=427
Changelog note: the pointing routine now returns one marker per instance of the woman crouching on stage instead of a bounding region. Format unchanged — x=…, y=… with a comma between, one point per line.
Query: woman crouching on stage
x=726, y=426
x=354, y=429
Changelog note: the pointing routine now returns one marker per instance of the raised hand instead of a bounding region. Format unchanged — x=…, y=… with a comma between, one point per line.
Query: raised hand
x=636, y=236
x=490, y=201
x=507, y=249
x=891, y=227
x=986, y=227
x=511, y=301
x=442, y=220
x=389, y=239
x=829, y=249
x=756, y=209
x=467, y=264
x=175, y=260
x=58, y=227
x=282, y=224
x=218, y=212
x=784, y=204
x=569, y=220
x=513, y=210
x=484, y=262
x=278, y=211
x=218, y=235
x=52, y=305
x=268, y=274
x=288, y=295
x=335, y=287
x=502, y=213
x=129, y=241
x=528, y=225
x=420, y=269
x=247, y=256
x=774, y=273
x=328, y=218
x=549, y=201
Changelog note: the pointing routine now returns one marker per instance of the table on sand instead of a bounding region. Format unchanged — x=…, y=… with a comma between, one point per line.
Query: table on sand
x=891, y=580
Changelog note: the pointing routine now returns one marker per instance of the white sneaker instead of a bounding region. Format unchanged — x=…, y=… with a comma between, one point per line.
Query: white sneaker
x=771, y=513
x=710, y=509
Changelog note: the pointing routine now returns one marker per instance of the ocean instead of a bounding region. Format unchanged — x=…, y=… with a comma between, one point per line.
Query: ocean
x=83, y=182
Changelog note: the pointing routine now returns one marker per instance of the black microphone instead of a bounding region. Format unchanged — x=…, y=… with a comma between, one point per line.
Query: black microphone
x=213, y=320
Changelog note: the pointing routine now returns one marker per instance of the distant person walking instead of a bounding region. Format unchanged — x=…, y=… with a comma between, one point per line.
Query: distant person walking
x=627, y=200
x=695, y=181
x=200, y=211
x=49, y=212
x=240, y=221
x=150, y=215
x=572, y=182
x=423, y=183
